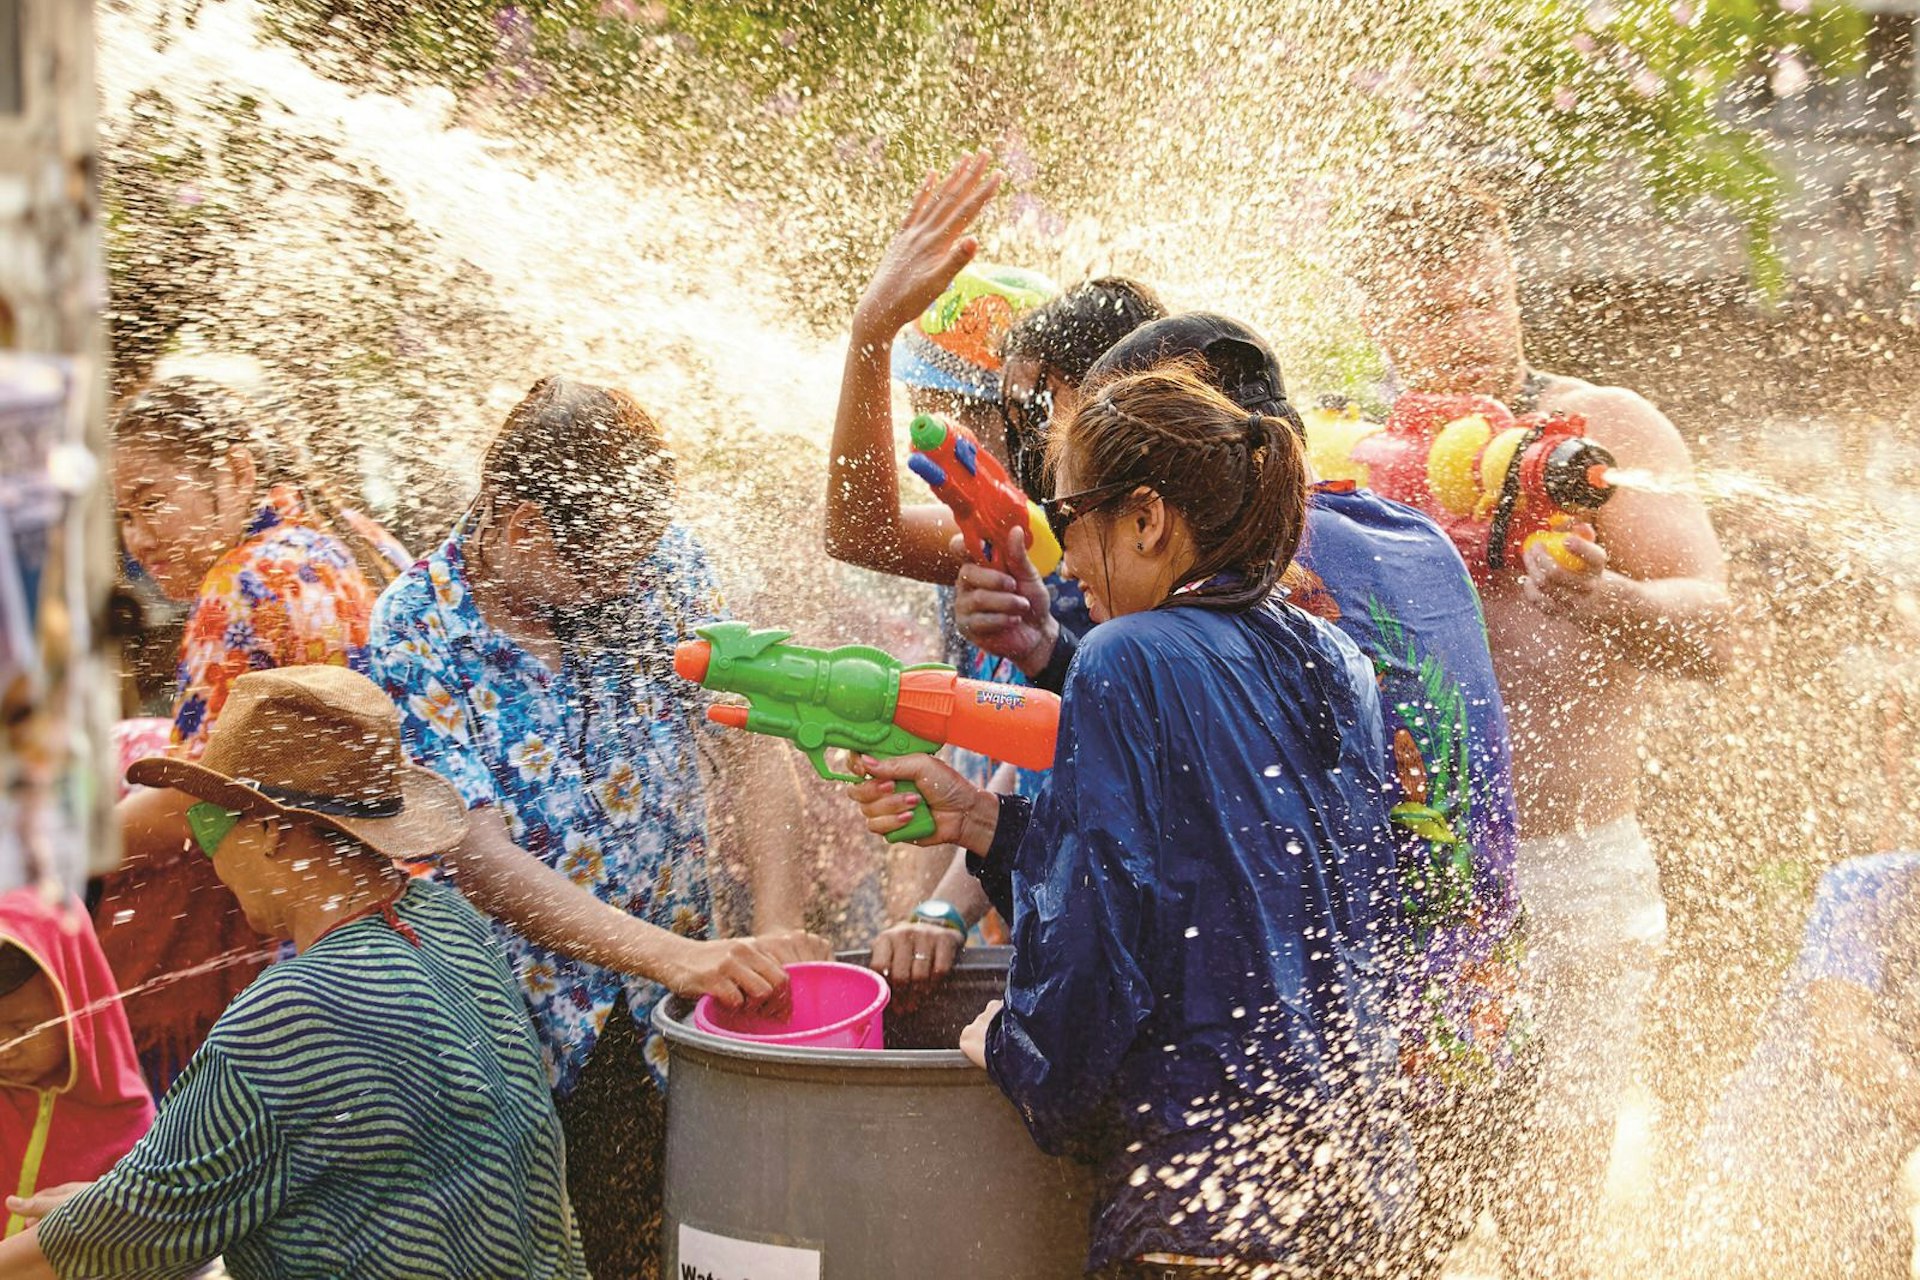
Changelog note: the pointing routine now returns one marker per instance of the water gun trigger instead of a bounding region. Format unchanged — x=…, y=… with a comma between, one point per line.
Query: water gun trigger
x=817, y=756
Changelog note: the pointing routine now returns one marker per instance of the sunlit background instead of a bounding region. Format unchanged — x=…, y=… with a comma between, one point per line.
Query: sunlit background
x=387, y=219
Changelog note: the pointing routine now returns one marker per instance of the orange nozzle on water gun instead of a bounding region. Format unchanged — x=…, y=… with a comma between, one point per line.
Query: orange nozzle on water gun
x=862, y=699
x=986, y=503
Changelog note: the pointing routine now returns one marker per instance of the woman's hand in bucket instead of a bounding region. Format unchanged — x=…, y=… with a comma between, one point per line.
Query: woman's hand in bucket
x=973, y=1041
x=734, y=971
x=912, y=954
x=963, y=814
x=791, y=946
x=929, y=249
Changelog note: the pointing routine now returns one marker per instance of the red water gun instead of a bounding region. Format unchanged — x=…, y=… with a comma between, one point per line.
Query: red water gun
x=986, y=503
x=1496, y=483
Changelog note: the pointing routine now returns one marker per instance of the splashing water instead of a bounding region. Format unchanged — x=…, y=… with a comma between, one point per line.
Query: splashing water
x=485, y=254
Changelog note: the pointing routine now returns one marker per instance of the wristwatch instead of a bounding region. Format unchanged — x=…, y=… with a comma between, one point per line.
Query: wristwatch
x=939, y=911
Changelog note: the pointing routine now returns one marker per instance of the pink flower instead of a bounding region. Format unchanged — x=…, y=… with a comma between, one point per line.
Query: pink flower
x=1796, y=6
x=1583, y=44
x=1565, y=99
x=1029, y=212
x=1684, y=13
x=1647, y=84
x=1790, y=75
x=1015, y=158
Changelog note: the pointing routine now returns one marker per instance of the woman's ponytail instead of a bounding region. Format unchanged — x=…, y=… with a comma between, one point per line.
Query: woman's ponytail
x=1239, y=478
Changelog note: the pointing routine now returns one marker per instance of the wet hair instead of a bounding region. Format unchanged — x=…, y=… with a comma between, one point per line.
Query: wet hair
x=1228, y=354
x=1422, y=226
x=1068, y=333
x=1238, y=478
x=17, y=968
x=200, y=422
x=593, y=461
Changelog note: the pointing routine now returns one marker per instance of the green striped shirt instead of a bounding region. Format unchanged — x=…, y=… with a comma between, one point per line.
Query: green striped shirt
x=368, y=1108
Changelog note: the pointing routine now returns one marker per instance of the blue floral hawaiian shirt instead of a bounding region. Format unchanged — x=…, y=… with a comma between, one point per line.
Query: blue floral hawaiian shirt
x=595, y=766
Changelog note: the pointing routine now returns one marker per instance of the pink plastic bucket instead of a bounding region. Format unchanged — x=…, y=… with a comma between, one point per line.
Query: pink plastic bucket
x=835, y=1006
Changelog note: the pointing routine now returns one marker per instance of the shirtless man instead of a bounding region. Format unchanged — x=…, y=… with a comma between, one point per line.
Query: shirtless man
x=1577, y=654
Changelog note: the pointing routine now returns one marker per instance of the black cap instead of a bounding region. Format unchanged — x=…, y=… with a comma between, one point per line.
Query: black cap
x=1238, y=359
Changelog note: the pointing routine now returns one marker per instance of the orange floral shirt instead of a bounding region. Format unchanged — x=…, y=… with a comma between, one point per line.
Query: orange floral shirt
x=290, y=594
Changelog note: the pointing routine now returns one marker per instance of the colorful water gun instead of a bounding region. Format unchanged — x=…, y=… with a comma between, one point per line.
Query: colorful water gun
x=862, y=699
x=986, y=503
x=1497, y=484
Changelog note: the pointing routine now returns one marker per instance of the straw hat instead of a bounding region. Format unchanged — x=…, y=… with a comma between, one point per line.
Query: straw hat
x=322, y=743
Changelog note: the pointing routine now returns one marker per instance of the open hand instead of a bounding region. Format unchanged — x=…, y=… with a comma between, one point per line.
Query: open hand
x=930, y=247
x=1009, y=615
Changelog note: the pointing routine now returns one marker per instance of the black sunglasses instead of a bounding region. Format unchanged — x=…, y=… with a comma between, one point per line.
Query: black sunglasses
x=1026, y=419
x=1064, y=510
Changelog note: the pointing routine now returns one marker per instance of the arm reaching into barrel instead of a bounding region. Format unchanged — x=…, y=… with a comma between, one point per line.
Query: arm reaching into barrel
x=552, y=911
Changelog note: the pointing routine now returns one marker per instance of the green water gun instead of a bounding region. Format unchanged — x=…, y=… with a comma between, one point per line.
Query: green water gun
x=863, y=699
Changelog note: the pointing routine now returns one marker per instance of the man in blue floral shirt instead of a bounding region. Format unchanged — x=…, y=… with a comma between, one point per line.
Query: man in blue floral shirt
x=531, y=656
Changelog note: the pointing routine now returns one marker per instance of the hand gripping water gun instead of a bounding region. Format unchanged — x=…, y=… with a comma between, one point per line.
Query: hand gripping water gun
x=1497, y=484
x=865, y=700
x=985, y=501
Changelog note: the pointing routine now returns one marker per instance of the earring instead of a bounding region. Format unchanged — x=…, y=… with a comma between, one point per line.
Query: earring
x=1139, y=546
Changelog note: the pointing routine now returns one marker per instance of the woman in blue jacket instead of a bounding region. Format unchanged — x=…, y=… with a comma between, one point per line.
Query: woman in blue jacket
x=1200, y=893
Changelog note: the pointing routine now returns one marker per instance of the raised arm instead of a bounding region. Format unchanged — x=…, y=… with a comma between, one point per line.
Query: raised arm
x=866, y=523
x=1654, y=588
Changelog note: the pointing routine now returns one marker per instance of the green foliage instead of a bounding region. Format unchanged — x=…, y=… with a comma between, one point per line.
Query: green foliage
x=1573, y=86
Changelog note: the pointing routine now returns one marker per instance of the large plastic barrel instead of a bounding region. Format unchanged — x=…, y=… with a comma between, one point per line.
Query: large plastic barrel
x=846, y=1164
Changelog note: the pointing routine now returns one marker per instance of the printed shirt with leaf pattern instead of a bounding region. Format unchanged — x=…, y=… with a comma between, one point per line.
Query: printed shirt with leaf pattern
x=594, y=767
x=1387, y=576
x=290, y=594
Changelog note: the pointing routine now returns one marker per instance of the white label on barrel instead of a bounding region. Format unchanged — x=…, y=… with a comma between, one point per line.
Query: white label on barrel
x=705, y=1256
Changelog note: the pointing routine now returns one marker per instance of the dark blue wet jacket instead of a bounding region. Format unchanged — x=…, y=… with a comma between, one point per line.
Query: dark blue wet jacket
x=1198, y=897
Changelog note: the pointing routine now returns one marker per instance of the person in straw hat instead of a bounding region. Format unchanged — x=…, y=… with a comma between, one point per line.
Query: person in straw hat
x=375, y=1106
